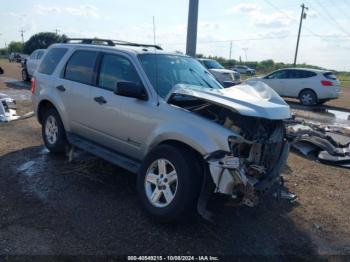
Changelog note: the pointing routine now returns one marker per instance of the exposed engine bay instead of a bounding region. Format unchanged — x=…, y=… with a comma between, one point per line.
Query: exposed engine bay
x=258, y=150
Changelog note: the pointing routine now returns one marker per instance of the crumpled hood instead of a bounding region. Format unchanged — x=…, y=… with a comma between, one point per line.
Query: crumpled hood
x=254, y=99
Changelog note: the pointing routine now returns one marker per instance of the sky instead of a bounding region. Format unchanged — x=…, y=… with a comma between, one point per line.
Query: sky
x=258, y=30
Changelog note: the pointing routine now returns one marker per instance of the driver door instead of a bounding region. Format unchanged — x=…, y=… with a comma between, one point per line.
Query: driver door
x=120, y=123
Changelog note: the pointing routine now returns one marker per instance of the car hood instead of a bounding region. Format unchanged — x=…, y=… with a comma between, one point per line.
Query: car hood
x=255, y=99
x=222, y=71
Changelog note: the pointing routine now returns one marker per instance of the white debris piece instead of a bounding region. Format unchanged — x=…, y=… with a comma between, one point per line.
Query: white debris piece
x=7, y=108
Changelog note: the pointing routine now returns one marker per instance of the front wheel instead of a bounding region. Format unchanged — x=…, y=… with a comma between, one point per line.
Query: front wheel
x=169, y=184
x=308, y=97
x=53, y=132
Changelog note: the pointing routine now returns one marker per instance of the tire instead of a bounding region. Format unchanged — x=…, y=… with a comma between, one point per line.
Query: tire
x=180, y=204
x=25, y=76
x=308, y=97
x=53, y=132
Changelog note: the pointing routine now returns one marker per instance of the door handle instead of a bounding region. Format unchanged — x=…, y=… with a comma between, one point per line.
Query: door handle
x=100, y=100
x=61, y=88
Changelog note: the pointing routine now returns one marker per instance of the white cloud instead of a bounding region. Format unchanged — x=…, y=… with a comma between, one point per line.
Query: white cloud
x=271, y=20
x=312, y=14
x=82, y=10
x=244, y=8
x=281, y=33
x=263, y=18
x=42, y=9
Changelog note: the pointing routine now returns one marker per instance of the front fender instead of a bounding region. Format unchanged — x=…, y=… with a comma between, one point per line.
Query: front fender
x=204, y=141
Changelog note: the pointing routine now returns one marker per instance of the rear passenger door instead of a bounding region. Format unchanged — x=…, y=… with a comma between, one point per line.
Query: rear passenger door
x=76, y=83
x=297, y=81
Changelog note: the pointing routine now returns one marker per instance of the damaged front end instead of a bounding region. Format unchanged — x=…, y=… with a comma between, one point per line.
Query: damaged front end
x=254, y=164
x=258, y=147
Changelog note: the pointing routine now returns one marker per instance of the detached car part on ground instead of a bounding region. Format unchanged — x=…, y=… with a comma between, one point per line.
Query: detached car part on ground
x=7, y=108
x=331, y=145
x=179, y=129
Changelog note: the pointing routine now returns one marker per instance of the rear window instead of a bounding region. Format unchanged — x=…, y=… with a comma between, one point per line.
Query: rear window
x=80, y=66
x=295, y=74
x=330, y=75
x=50, y=61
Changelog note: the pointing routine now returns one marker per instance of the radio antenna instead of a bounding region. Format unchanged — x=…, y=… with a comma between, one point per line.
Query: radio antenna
x=155, y=59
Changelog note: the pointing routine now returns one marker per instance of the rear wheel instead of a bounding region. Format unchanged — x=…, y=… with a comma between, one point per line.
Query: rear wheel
x=53, y=132
x=308, y=97
x=169, y=184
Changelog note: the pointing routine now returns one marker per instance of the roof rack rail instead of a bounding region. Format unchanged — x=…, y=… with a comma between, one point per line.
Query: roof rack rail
x=89, y=41
x=108, y=42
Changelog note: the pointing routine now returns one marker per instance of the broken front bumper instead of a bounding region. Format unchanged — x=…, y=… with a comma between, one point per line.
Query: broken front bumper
x=230, y=177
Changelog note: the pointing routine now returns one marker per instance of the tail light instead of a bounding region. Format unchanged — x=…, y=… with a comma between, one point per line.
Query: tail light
x=33, y=85
x=327, y=83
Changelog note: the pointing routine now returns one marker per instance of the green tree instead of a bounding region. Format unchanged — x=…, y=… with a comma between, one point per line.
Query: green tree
x=42, y=40
x=16, y=47
x=3, y=51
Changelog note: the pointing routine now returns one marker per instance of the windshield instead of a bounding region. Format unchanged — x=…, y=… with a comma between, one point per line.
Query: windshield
x=212, y=64
x=173, y=70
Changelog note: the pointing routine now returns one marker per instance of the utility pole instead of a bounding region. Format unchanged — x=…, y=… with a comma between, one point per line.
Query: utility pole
x=57, y=31
x=302, y=16
x=245, y=49
x=192, y=28
x=230, y=49
x=22, y=32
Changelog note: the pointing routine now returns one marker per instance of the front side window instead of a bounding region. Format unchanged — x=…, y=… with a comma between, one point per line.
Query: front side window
x=80, y=66
x=116, y=68
x=282, y=74
x=51, y=60
x=166, y=71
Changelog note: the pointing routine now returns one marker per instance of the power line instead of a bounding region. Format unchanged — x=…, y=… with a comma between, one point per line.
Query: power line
x=340, y=9
x=292, y=18
x=340, y=27
x=259, y=39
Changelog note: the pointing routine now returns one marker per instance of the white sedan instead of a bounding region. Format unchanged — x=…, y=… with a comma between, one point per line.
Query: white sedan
x=310, y=86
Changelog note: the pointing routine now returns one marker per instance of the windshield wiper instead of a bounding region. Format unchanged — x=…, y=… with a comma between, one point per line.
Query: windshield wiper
x=195, y=73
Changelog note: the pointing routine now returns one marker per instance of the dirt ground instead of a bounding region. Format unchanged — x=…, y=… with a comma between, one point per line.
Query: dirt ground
x=89, y=207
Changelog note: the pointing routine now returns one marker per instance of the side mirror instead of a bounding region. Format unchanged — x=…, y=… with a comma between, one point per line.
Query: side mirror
x=130, y=89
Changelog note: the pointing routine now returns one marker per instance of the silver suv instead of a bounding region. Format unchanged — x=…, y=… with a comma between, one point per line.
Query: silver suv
x=164, y=117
